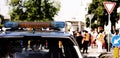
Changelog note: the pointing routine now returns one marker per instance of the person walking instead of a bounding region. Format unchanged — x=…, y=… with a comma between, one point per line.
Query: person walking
x=79, y=39
x=106, y=42
x=93, y=38
x=85, y=41
x=100, y=41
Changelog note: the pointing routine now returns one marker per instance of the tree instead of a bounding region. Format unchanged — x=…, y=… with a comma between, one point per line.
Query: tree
x=34, y=10
x=1, y=19
x=100, y=13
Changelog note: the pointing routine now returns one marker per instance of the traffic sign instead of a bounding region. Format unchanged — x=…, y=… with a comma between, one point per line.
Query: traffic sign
x=109, y=6
x=116, y=40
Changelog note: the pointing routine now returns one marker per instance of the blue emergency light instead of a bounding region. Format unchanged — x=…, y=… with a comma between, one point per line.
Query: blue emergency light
x=58, y=24
x=11, y=24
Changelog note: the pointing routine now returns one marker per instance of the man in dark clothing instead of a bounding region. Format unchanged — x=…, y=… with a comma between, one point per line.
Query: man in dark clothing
x=79, y=39
x=86, y=41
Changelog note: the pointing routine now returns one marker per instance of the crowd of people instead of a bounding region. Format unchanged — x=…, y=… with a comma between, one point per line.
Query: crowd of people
x=93, y=39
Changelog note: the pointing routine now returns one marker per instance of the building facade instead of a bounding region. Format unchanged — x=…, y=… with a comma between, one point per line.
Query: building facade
x=74, y=12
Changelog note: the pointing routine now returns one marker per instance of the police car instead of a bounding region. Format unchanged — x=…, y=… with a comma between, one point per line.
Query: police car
x=26, y=40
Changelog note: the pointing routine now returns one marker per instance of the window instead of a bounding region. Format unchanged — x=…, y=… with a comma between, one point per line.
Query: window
x=37, y=47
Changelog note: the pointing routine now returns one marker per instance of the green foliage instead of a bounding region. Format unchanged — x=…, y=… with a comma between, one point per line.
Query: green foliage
x=87, y=22
x=2, y=19
x=100, y=13
x=14, y=2
x=34, y=10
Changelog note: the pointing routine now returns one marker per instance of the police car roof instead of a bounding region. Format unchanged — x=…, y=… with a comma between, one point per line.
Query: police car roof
x=36, y=33
x=56, y=26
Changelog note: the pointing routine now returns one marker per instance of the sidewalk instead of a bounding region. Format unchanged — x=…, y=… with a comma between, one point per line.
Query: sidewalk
x=110, y=54
x=93, y=53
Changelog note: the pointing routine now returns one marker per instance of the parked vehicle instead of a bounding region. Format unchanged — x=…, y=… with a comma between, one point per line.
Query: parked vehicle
x=38, y=44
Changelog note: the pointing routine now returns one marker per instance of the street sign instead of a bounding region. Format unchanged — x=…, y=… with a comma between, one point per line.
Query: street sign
x=116, y=40
x=109, y=6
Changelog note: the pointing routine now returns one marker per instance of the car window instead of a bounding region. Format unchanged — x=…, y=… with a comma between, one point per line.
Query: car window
x=37, y=47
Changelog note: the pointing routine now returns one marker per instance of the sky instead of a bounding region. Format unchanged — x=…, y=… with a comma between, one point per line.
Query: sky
x=4, y=9
x=72, y=10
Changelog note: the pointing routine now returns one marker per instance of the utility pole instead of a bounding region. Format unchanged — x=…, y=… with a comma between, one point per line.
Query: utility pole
x=90, y=16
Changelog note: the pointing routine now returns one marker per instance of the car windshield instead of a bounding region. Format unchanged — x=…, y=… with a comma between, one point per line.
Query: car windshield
x=37, y=47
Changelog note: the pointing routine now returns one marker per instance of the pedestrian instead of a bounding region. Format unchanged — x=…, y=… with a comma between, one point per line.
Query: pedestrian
x=85, y=41
x=93, y=38
x=75, y=33
x=79, y=39
x=106, y=42
x=100, y=41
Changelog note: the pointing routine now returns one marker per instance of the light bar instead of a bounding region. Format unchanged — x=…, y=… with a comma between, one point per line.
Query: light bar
x=34, y=24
